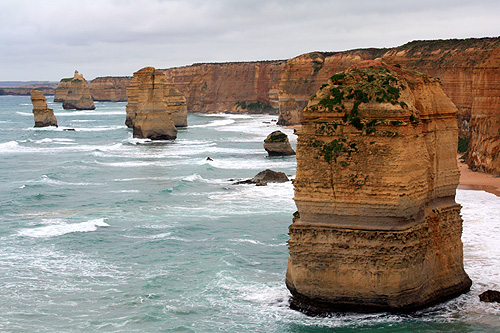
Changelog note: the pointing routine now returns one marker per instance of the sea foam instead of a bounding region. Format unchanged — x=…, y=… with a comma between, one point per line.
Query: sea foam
x=62, y=228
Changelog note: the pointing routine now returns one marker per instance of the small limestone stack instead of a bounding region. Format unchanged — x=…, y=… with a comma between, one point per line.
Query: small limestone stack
x=43, y=115
x=78, y=94
x=277, y=144
x=146, y=109
x=377, y=227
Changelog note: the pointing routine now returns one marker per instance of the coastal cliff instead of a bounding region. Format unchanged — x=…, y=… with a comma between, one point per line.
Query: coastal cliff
x=377, y=226
x=239, y=87
x=110, y=88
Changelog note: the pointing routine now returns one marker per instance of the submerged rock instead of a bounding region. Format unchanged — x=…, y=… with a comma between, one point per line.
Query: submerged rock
x=146, y=109
x=78, y=94
x=277, y=144
x=264, y=177
x=490, y=296
x=377, y=228
x=43, y=115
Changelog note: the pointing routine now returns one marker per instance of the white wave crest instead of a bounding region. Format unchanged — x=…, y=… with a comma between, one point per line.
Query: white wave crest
x=63, y=228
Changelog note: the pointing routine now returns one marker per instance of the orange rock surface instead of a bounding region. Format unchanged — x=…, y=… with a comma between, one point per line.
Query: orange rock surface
x=377, y=226
x=110, y=88
x=74, y=93
x=43, y=115
x=147, y=110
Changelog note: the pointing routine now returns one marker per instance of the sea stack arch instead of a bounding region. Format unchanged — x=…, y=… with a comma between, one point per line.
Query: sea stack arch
x=377, y=226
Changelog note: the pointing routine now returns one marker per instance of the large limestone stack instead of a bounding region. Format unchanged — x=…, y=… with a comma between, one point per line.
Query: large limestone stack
x=377, y=226
x=146, y=109
x=43, y=115
x=78, y=96
x=173, y=101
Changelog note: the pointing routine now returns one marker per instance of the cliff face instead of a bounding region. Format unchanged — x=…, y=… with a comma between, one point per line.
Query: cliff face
x=377, y=227
x=62, y=90
x=146, y=109
x=249, y=87
x=77, y=93
x=484, y=147
x=112, y=89
x=43, y=115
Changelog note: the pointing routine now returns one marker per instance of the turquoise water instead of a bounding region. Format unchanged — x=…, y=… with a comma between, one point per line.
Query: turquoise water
x=103, y=232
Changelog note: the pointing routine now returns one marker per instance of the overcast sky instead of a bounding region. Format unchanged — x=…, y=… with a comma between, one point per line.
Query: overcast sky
x=49, y=39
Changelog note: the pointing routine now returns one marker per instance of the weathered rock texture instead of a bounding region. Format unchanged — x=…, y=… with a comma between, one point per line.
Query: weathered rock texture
x=147, y=110
x=113, y=89
x=244, y=87
x=43, y=115
x=77, y=93
x=277, y=144
x=377, y=226
x=484, y=146
x=174, y=101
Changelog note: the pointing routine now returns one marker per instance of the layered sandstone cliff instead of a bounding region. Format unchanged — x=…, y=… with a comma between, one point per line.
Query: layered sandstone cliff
x=484, y=147
x=75, y=93
x=147, y=110
x=109, y=88
x=42, y=114
x=245, y=87
x=377, y=226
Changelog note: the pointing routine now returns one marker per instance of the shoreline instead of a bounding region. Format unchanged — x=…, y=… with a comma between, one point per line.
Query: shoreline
x=477, y=181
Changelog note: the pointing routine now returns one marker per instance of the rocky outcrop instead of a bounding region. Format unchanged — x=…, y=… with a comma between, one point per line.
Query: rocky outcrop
x=277, y=144
x=490, y=296
x=238, y=87
x=77, y=95
x=112, y=89
x=43, y=115
x=146, y=109
x=377, y=226
x=266, y=176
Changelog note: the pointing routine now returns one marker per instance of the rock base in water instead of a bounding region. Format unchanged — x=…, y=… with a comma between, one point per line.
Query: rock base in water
x=490, y=296
x=43, y=115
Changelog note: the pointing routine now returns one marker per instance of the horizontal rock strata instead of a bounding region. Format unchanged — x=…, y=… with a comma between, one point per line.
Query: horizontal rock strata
x=78, y=94
x=377, y=226
x=147, y=110
x=43, y=115
x=113, y=89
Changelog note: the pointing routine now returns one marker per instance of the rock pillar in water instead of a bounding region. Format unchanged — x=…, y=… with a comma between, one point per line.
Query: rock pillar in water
x=377, y=226
x=146, y=109
x=43, y=115
x=78, y=93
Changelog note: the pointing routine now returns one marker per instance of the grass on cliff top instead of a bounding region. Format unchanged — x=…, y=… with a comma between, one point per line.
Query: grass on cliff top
x=347, y=91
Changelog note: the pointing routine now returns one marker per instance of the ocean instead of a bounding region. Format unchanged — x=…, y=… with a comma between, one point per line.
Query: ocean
x=103, y=232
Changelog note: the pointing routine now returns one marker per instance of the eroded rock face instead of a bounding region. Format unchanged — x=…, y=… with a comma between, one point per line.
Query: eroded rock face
x=78, y=94
x=147, y=110
x=113, y=89
x=277, y=144
x=377, y=226
x=43, y=115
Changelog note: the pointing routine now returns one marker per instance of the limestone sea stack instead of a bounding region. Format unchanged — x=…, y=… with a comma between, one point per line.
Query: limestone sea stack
x=173, y=100
x=377, y=226
x=43, y=115
x=277, y=144
x=78, y=94
x=146, y=109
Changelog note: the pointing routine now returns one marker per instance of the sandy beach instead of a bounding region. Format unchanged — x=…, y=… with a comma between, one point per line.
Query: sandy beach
x=479, y=181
